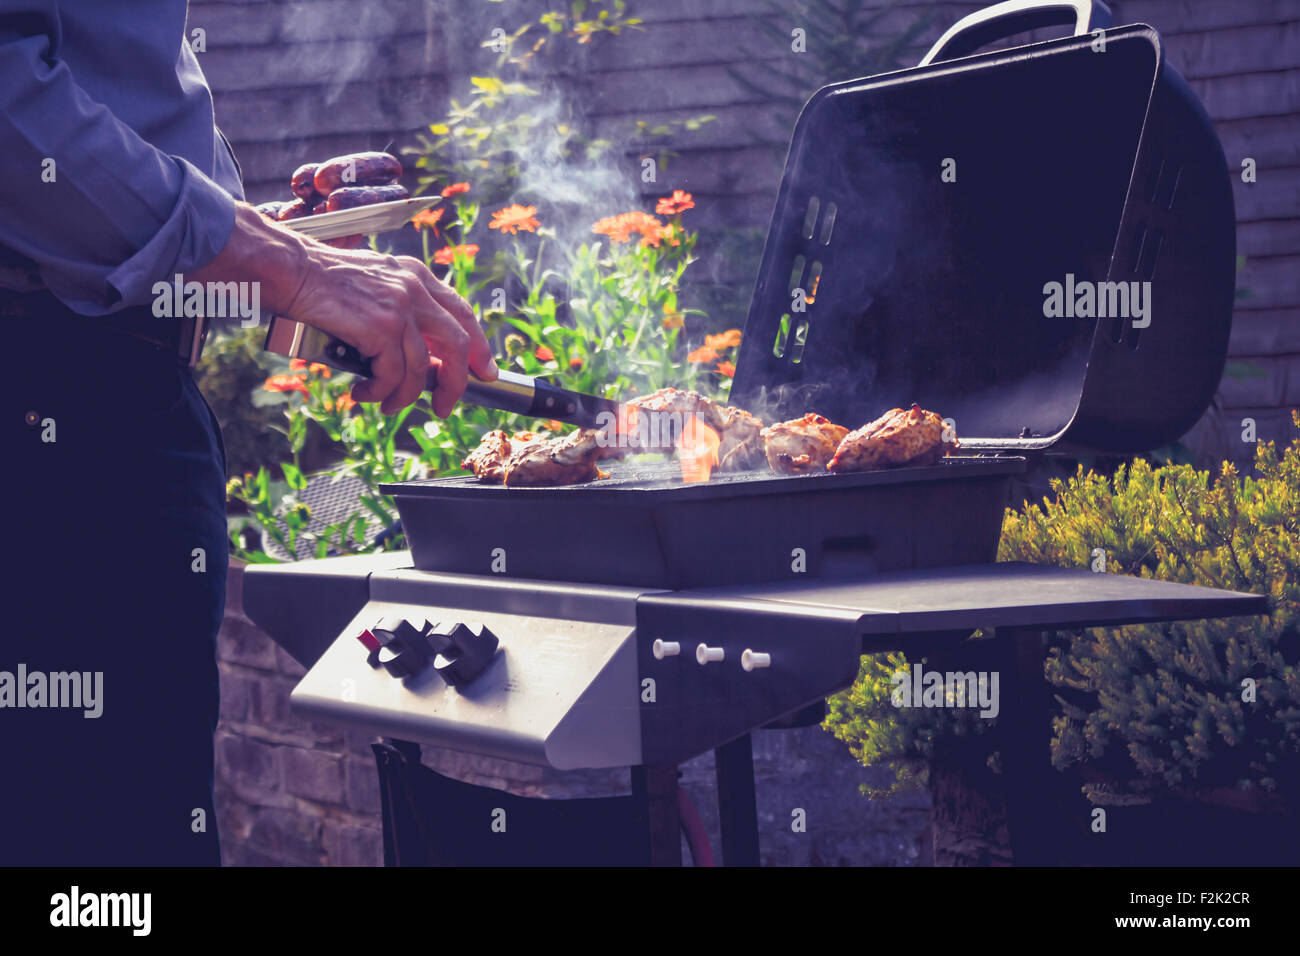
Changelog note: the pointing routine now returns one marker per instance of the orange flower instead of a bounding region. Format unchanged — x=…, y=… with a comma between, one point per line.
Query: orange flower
x=345, y=402
x=513, y=218
x=297, y=364
x=543, y=354
x=643, y=222
x=729, y=339
x=675, y=321
x=654, y=233
x=651, y=235
x=704, y=354
x=447, y=254
x=428, y=218
x=614, y=227
x=317, y=369
x=455, y=189
x=554, y=425
x=727, y=369
x=679, y=201
x=285, y=383
x=620, y=228
x=575, y=362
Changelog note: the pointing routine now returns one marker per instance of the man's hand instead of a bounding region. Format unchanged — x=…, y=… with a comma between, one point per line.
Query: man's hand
x=390, y=308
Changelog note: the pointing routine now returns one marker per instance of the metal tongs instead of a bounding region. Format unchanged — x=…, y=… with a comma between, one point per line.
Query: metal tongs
x=511, y=392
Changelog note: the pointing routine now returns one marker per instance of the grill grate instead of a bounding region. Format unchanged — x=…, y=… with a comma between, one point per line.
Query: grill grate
x=662, y=477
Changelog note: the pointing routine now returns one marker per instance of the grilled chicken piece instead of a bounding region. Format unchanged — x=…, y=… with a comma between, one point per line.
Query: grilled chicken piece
x=742, y=439
x=740, y=433
x=912, y=437
x=560, y=461
x=802, y=445
x=488, y=460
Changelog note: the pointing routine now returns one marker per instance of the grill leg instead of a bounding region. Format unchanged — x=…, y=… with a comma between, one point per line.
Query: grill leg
x=655, y=789
x=1025, y=734
x=737, y=807
x=393, y=759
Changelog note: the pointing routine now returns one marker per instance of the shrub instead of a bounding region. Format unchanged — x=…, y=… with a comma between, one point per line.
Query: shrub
x=233, y=365
x=1183, y=707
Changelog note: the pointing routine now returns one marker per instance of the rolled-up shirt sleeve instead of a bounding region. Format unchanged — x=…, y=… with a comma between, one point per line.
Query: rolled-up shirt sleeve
x=101, y=213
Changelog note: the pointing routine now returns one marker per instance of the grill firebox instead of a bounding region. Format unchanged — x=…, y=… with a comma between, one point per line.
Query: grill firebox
x=642, y=527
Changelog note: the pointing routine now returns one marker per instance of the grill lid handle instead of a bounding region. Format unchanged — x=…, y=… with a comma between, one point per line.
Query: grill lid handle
x=1016, y=16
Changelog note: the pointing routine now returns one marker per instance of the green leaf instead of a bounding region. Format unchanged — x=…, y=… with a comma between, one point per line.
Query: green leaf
x=293, y=476
x=376, y=507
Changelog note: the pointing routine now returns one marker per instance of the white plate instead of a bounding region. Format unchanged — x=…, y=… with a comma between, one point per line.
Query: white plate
x=362, y=221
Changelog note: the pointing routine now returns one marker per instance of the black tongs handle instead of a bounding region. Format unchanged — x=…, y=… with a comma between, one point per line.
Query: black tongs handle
x=510, y=392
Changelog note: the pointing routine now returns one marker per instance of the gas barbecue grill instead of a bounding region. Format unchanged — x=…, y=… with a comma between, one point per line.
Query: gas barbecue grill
x=664, y=618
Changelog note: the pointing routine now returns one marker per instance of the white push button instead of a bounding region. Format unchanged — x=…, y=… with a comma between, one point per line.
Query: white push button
x=705, y=654
x=751, y=659
x=661, y=649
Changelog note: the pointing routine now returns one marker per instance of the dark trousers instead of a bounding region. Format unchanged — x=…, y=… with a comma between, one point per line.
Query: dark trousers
x=114, y=563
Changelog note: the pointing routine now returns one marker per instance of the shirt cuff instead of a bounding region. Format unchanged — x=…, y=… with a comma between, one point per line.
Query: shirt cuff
x=198, y=228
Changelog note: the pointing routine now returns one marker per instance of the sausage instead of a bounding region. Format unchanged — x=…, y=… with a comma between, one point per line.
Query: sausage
x=294, y=210
x=301, y=183
x=357, y=169
x=317, y=205
x=350, y=197
x=271, y=209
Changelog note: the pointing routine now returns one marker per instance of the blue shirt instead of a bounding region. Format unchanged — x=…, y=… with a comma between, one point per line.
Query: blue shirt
x=113, y=175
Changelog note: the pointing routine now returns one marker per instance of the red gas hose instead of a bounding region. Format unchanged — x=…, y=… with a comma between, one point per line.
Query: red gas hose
x=697, y=838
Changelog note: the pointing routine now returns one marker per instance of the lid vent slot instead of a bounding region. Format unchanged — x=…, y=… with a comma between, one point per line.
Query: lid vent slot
x=814, y=279
x=1168, y=187
x=800, y=340
x=810, y=218
x=1153, y=181
x=828, y=223
x=1150, y=250
x=782, y=334
x=796, y=274
x=1137, y=246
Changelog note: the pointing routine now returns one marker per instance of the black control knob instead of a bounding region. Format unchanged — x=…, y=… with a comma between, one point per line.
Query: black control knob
x=402, y=650
x=463, y=653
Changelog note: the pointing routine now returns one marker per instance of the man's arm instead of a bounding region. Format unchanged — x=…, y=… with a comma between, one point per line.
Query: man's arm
x=119, y=215
x=112, y=215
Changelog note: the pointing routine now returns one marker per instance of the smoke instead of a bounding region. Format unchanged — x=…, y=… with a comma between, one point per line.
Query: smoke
x=571, y=186
x=343, y=61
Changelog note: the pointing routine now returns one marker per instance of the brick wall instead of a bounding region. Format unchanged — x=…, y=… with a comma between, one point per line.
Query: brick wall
x=288, y=792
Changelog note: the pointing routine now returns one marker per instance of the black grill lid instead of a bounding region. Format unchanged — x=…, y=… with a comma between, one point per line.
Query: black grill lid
x=1064, y=161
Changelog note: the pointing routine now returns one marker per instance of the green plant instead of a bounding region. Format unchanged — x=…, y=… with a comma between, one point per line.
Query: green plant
x=1182, y=707
x=234, y=364
x=505, y=121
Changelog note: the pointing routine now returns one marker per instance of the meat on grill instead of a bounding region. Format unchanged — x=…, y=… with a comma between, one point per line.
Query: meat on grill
x=488, y=460
x=559, y=461
x=912, y=437
x=802, y=445
x=740, y=433
x=526, y=458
